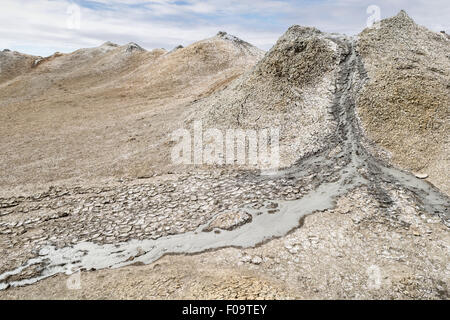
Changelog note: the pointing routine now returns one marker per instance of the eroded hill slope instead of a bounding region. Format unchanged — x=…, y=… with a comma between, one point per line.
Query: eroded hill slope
x=291, y=88
x=404, y=107
x=106, y=111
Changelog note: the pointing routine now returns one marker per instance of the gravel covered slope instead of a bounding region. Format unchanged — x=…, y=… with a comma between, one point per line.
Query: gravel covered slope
x=404, y=107
x=290, y=88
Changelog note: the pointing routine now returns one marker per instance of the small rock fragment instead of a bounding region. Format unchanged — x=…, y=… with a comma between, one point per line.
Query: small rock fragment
x=421, y=175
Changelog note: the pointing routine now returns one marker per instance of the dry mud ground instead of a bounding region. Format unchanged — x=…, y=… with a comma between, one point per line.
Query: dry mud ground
x=350, y=252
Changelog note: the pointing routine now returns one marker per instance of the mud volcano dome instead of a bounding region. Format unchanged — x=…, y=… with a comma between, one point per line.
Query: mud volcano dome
x=404, y=105
x=291, y=88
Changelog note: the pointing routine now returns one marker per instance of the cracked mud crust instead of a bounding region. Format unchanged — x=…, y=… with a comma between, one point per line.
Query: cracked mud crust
x=335, y=254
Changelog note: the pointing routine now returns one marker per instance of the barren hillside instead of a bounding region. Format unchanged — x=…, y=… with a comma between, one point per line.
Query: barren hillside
x=337, y=221
x=13, y=64
x=107, y=111
x=290, y=88
x=405, y=106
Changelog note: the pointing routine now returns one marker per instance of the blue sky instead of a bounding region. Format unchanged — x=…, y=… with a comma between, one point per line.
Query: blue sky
x=42, y=27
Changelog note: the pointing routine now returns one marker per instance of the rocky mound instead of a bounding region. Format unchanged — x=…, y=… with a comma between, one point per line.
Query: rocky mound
x=404, y=106
x=290, y=88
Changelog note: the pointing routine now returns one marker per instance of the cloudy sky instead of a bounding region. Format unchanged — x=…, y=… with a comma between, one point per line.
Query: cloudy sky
x=42, y=27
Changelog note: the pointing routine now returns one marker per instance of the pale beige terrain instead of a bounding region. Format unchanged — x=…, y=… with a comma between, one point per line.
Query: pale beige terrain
x=291, y=89
x=107, y=111
x=354, y=251
x=86, y=159
x=404, y=108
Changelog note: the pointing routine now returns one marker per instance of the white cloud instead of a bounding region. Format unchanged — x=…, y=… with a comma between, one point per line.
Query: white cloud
x=40, y=26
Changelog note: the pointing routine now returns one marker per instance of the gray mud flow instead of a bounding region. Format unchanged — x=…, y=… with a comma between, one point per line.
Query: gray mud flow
x=334, y=176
